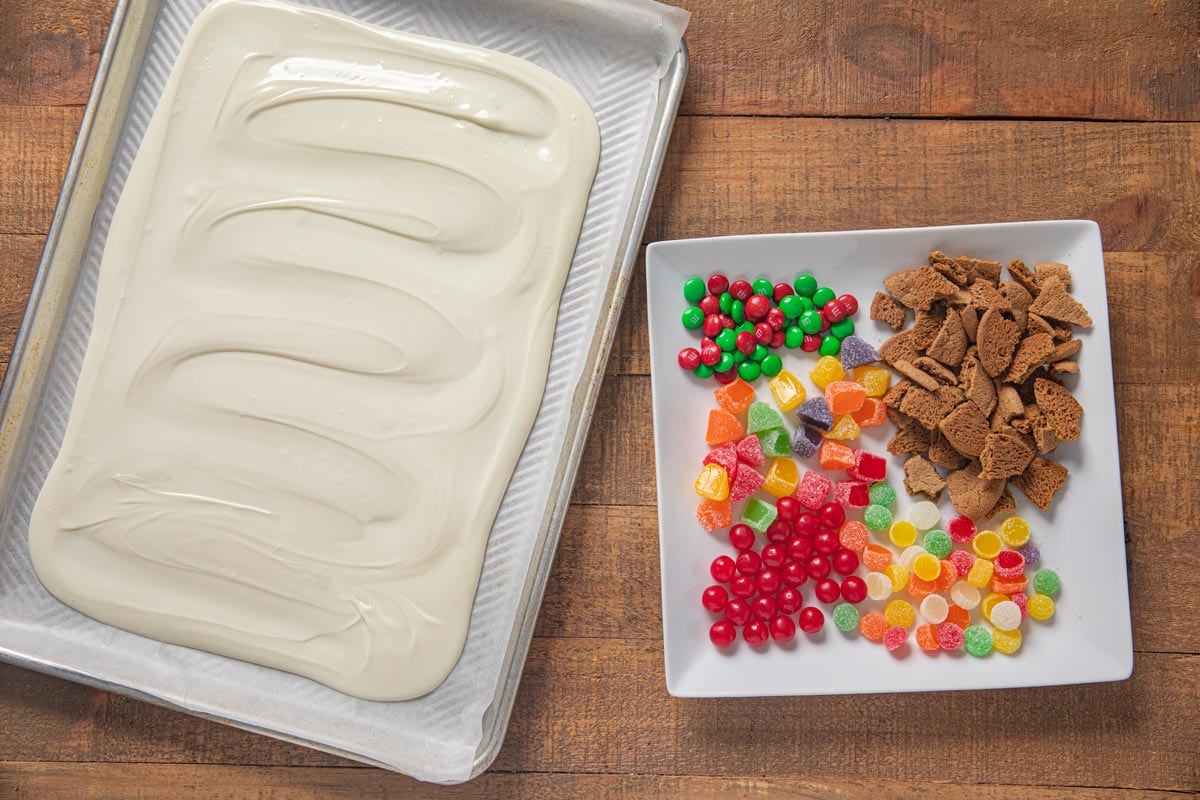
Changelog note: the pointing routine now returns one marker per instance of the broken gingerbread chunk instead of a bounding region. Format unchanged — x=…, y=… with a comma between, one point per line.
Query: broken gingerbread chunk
x=886, y=310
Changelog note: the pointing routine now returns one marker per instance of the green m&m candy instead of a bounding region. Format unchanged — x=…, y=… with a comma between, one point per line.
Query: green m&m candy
x=725, y=363
x=805, y=285
x=830, y=346
x=737, y=310
x=842, y=328
x=822, y=296
x=749, y=371
x=810, y=321
x=693, y=317
x=726, y=340
x=771, y=365
x=763, y=286
x=726, y=302
x=791, y=306
x=703, y=371
x=760, y=352
x=694, y=289
x=793, y=337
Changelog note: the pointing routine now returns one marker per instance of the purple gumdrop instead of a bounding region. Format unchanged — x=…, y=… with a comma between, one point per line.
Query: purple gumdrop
x=814, y=412
x=806, y=441
x=855, y=352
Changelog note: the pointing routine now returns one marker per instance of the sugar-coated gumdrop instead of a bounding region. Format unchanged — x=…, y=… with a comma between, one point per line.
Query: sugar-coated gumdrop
x=902, y=533
x=964, y=595
x=761, y=417
x=877, y=518
x=815, y=413
x=735, y=397
x=920, y=588
x=844, y=429
x=934, y=608
x=833, y=456
x=1040, y=607
x=1031, y=553
x=927, y=567
x=977, y=640
x=962, y=561
x=872, y=414
x=987, y=544
x=725, y=455
x=958, y=616
x=844, y=397
x=1047, y=582
x=882, y=494
x=879, y=586
x=961, y=529
x=1008, y=564
x=782, y=477
x=895, y=637
x=1009, y=585
x=924, y=515
x=899, y=612
x=813, y=490
x=722, y=427
x=898, y=574
x=1022, y=601
x=775, y=442
x=1005, y=616
x=853, y=535
x=827, y=370
x=872, y=626
x=759, y=515
x=806, y=441
x=712, y=482
x=1014, y=531
x=947, y=577
x=874, y=380
x=851, y=494
x=868, y=467
x=787, y=389
x=909, y=554
x=981, y=573
x=749, y=451
x=1006, y=642
x=714, y=514
x=938, y=543
x=990, y=601
x=876, y=557
x=746, y=481
x=855, y=352
x=845, y=617
x=950, y=636
x=927, y=638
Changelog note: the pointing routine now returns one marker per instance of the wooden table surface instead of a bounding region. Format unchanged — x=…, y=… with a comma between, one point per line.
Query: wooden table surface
x=799, y=115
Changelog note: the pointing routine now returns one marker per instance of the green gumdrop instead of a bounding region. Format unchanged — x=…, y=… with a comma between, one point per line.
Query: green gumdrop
x=937, y=543
x=694, y=289
x=771, y=365
x=845, y=617
x=830, y=346
x=760, y=417
x=977, y=640
x=758, y=514
x=805, y=285
x=775, y=442
x=877, y=518
x=882, y=494
x=1047, y=582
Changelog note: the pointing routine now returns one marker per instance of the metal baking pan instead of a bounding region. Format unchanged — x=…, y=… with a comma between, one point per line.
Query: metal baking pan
x=25, y=388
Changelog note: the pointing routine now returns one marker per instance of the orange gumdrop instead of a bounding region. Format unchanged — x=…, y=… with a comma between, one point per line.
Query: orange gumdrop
x=927, y=638
x=735, y=397
x=872, y=414
x=872, y=626
x=833, y=455
x=844, y=397
x=947, y=576
x=959, y=616
x=723, y=427
x=876, y=557
x=715, y=514
x=920, y=588
x=1009, y=586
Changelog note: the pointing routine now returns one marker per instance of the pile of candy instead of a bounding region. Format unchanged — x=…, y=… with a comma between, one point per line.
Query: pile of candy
x=849, y=404
x=742, y=322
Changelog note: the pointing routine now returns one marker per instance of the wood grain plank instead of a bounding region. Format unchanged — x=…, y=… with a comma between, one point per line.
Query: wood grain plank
x=19, y=256
x=53, y=781
x=1031, y=58
x=600, y=706
x=735, y=175
x=35, y=145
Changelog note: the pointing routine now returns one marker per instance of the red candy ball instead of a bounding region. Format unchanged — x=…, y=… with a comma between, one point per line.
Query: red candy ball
x=807, y=524
x=763, y=607
x=757, y=307
x=728, y=376
x=741, y=290
x=811, y=343
x=718, y=283
x=782, y=629
x=854, y=589
x=712, y=325
x=722, y=633
x=742, y=586
x=826, y=542
x=789, y=601
x=714, y=598
x=763, y=333
x=793, y=573
x=782, y=290
x=773, y=555
x=689, y=358
x=737, y=611
x=710, y=304
x=722, y=569
x=779, y=531
x=849, y=303
x=755, y=633
x=748, y=563
x=800, y=548
x=827, y=590
x=787, y=507
x=768, y=581
x=845, y=561
x=776, y=319
x=745, y=342
x=831, y=515
x=811, y=619
x=817, y=567
x=741, y=537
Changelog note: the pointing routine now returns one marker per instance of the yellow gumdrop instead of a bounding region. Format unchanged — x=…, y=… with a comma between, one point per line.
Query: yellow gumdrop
x=1006, y=642
x=713, y=483
x=1014, y=531
x=898, y=574
x=900, y=613
x=876, y=380
x=788, y=390
x=980, y=574
x=987, y=544
x=1040, y=607
x=902, y=533
x=927, y=567
x=990, y=601
x=844, y=428
x=782, y=477
x=827, y=370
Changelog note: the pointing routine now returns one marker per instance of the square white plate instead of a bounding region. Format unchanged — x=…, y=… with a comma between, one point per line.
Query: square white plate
x=1082, y=537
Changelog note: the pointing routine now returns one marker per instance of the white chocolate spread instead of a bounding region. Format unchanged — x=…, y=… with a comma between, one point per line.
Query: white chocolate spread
x=322, y=330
